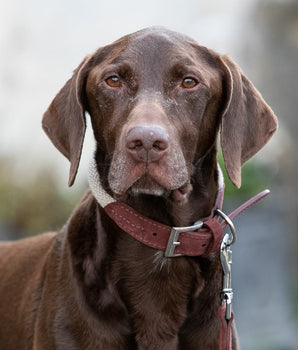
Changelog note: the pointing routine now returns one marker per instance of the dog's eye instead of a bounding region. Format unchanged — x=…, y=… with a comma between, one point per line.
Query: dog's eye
x=189, y=83
x=113, y=81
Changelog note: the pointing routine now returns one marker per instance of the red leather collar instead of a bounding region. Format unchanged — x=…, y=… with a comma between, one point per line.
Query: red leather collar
x=189, y=241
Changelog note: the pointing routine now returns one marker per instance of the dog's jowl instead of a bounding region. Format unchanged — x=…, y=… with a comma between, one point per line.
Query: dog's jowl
x=158, y=102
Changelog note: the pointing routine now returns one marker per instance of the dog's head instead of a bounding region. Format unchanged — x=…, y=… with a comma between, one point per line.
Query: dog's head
x=157, y=100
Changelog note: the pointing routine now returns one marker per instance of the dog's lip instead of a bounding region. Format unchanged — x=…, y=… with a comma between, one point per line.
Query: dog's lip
x=181, y=194
x=147, y=185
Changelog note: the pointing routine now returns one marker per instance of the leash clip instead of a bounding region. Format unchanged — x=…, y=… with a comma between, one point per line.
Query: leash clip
x=226, y=262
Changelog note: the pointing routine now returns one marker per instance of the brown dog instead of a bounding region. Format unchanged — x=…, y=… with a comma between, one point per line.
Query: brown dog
x=156, y=100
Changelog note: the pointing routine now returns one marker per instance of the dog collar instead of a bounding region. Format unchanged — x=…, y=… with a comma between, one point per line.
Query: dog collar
x=201, y=239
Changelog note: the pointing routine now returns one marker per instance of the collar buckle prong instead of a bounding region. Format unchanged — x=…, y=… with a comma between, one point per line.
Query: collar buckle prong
x=173, y=241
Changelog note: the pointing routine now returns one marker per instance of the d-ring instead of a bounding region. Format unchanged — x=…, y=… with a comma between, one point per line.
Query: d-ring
x=232, y=236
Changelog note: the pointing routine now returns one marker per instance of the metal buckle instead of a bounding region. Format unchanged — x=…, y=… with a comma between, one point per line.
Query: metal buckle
x=174, y=236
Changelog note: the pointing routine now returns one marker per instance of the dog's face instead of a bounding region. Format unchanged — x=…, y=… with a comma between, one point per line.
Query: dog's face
x=156, y=100
x=150, y=102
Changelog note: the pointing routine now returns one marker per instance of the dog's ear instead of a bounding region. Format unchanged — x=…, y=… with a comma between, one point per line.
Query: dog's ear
x=247, y=123
x=64, y=121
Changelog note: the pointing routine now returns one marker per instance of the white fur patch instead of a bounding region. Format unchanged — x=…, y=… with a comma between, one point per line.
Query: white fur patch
x=102, y=197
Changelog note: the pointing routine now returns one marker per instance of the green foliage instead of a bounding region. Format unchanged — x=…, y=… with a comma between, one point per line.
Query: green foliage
x=35, y=205
x=255, y=178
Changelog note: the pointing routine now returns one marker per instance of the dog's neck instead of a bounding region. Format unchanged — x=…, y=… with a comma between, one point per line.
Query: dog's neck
x=200, y=203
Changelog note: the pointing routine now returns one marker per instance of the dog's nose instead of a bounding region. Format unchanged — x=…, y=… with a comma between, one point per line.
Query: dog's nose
x=147, y=143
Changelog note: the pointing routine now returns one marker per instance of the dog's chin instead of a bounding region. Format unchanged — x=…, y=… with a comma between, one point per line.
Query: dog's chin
x=148, y=186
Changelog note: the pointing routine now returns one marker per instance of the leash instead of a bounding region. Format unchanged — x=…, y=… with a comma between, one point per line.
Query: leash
x=201, y=239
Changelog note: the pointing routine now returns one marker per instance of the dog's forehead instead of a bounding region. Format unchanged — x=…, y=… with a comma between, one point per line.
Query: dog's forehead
x=159, y=49
x=153, y=53
x=156, y=42
x=159, y=35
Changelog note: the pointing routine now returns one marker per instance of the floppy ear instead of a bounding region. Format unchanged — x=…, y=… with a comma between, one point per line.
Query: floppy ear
x=64, y=121
x=247, y=123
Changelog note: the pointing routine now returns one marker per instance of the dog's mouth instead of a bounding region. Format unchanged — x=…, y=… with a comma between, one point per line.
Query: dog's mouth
x=181, y=194
x=166, y=177
x=149, y=186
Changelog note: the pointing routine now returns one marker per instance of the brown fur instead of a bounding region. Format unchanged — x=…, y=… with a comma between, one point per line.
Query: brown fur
x=92, y=286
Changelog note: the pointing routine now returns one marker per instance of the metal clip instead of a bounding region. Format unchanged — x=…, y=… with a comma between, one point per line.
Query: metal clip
x=226, y=262
x=173, y=239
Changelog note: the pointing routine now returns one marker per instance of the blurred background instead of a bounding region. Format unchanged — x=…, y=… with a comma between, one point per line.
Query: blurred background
x=40, y=45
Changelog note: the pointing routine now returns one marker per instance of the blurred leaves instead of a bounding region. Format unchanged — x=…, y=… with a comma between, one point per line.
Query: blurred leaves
x=255, y=178
x=33, y=205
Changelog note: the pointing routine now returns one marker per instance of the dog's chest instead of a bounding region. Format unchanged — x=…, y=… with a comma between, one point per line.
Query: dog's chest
x=156, y=290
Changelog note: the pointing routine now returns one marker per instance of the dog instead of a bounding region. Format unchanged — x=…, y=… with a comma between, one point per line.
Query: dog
x=157, y=101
